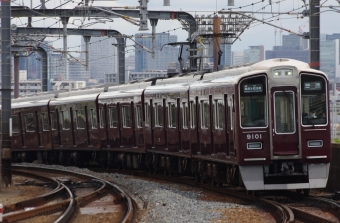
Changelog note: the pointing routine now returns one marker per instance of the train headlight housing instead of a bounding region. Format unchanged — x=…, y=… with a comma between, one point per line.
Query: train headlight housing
x=283, y=73
x=254, y=145
x=315, y=143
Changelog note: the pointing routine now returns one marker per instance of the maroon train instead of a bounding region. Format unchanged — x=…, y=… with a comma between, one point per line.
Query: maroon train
x=266, y=126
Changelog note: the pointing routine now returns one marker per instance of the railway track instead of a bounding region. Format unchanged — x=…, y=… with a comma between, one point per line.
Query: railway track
x=280, y=211
x=66, y=197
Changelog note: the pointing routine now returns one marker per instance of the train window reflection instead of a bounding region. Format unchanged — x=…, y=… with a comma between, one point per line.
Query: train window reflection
x=253, y=102
x=44, y=120
x=139, y=116
x=93, y=119
x=113, y=117
x=284, y=112
x=80, y=117
x=30, y=125
x=159, y=114
x=172, y=115
x=218, y=114
x=66, y=120
x=126, y=116
x=101, y=118
x=147, y=114
x=205, y=114
x=313, y=100
x=185, y=115
x=192, y=114
x=53, y=120
x=15, y=124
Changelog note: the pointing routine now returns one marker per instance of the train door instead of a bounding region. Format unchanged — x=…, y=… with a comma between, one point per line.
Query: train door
x=45, y=131
x=114, y=126
x=185, y=133
x=127, y=125
x=159, y=125
x=139, y=134
x=102, y=126
x=55, y=127
x=232, y=125
x=39, y=129
x=218, y=136
x=173, y=125
x=226, y=124
x=66, y=131
x=205, y=130
x=79, y=125
x=284, y=115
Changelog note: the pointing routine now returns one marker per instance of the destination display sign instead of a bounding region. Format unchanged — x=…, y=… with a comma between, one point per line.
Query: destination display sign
x=312, y=86
x=252, y=88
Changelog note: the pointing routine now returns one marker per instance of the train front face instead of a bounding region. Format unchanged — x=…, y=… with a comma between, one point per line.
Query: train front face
x=284, y=129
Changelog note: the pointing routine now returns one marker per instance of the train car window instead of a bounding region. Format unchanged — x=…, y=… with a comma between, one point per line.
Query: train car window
x=101, y=118
x=172, y=115
x=53, y=120
x=192, y=114
x=147, y=114
x=80, y=117
x=44, y=120
x=113, y=117
x=15, y=124
x=253, y=102
x=139, y=116
x=30, y=124
x=126, y=116
x=218, y=114
x=205, y=114
x=313, y=100
x=159, y=114
x=231, y=114
x=66, y=119
x=284, y=112
x=185, y=115
x=93, y=119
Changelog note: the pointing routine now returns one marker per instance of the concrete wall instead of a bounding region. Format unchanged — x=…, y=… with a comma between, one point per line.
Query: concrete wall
x=334, y=170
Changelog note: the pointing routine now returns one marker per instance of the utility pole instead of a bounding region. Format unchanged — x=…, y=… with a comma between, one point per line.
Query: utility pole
x=5, y=149
x=314, y=34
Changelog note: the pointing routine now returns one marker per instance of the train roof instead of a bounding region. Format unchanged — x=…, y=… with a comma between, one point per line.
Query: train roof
x=73, y=99
x=29, y=104
x=123, y=93
x=168, y=88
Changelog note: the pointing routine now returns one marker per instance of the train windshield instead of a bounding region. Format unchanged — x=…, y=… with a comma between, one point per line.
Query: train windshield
x=313, y=99
x=253, y=102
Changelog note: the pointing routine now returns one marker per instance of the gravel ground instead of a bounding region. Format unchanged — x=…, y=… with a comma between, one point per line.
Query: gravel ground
x=169, y=202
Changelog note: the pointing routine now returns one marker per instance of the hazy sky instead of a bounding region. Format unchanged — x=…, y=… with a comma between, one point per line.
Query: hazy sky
x=257, y=34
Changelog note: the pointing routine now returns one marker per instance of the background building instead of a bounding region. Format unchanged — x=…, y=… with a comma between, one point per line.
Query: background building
x=144, y=60
x=102, y=56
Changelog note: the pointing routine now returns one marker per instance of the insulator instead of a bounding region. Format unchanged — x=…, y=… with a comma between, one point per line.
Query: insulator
x=231, y=3
x=166, y=3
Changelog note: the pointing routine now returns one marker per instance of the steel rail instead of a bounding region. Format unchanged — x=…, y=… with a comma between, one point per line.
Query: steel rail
x=121, y=196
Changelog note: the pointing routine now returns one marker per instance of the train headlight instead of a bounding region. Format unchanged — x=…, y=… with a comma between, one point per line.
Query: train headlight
x=254, y=145
x=315, y=143
x=283, y=73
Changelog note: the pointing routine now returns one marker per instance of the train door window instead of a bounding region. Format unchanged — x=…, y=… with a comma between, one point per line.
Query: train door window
x=53, y=120
x=314, y=100
x=147, y=114
x=284, y=112
x=218, y=114
x=172, y=115
x=29, y=121
x=231, y=114
x=205, y=114
x=185, y=115
x=66, y=119
x=44, y=120
x=101, y=118
x=93, y=119
x=159, y=114
x=126, y=116
x=113, y=117
x=139, y=116
x=192, y=114
x=15, y=124
x=80, y=117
